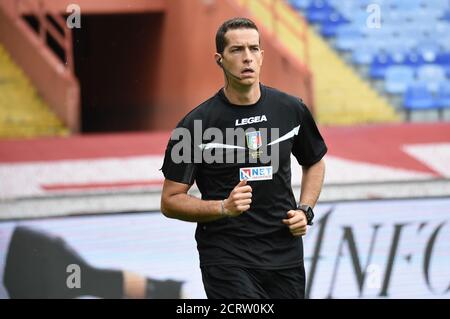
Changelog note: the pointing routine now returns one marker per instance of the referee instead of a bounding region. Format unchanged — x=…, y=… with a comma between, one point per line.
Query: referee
x=249, y=226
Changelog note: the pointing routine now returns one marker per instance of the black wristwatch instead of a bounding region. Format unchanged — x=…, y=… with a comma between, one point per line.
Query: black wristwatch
x=308, y=212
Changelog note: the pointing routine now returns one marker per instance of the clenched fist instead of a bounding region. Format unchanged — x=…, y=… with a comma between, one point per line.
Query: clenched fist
x=296, y=222
x=239, y=200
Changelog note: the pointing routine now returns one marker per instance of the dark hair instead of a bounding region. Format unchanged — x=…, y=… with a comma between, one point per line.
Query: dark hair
x=232, y=24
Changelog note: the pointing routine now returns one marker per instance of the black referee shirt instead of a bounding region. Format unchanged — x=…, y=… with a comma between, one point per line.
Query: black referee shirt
x=274, y=127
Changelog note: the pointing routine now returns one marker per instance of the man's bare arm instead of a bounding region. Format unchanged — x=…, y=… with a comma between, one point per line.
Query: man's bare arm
x=176, y=203
x=312, y=181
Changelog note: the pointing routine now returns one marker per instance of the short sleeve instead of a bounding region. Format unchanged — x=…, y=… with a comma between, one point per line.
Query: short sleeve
x=309, y=146
x=179, y=165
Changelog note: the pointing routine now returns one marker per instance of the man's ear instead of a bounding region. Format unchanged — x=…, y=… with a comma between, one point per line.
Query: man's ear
x=218, y=58
x=262, y=57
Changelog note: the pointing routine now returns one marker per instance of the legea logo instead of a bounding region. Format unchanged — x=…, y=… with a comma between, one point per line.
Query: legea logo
x=251, y=120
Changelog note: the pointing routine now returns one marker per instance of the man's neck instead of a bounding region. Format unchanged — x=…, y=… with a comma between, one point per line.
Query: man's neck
x=243, y=95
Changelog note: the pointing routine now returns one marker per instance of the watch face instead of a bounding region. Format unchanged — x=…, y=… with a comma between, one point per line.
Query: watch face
x=308, y=212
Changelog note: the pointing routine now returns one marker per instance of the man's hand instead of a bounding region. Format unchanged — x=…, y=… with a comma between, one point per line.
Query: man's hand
x=239, y=199
x=296, y=222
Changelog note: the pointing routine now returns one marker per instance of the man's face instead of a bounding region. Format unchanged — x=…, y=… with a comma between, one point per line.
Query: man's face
x=243, y=56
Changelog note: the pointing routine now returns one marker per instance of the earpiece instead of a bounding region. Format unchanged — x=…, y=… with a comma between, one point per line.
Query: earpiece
x=219, y=63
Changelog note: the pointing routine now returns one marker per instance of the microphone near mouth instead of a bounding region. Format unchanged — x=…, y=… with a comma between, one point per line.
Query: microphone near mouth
x=219, y=62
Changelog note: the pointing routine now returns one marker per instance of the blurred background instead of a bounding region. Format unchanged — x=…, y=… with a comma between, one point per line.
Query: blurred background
x=90, y=91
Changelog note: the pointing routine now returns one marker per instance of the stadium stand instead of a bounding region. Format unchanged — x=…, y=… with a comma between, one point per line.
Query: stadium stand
x=22, y=111
x=402, y=44
x=338, y=89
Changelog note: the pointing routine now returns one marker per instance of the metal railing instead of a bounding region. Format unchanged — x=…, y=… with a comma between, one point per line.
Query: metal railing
x=61, y=34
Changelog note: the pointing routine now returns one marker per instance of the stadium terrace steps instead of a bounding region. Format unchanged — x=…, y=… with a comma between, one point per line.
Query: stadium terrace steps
x=341, y=96
x=22, y=112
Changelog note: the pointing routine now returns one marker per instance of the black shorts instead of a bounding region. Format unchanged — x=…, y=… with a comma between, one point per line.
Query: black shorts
x=235, y=282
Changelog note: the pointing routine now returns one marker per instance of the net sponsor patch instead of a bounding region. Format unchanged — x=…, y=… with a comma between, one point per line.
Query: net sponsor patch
x=255, y=173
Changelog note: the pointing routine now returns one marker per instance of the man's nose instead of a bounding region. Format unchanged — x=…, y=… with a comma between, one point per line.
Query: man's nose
x=247, y=56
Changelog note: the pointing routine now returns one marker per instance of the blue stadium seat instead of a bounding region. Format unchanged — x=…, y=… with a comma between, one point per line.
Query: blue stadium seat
x=318, y=11
x=418, y=97
x=359, y=18
x=437, y=4
x=414, y=59
x=441, y=28
x=379, y=65
x=318, y=5
x=385, y=31
x=425, y=15
x=446, y=16
x=347, y=37
x=432, y=75
x=409, y=5
x=444, y=42
x=428, y=50
x=399, y=48
x=330, y=25
x=366, y=3
x=346, y=8
x=363, y=55
x=413, y=41
x=395, y=17
x=300, y=4
x=443, y=95
x=406, y=31
x=427, y=30
x=398, y=78
x=443, y=60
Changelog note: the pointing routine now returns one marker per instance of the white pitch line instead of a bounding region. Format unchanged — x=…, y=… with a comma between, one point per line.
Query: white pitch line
x=435, y=156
